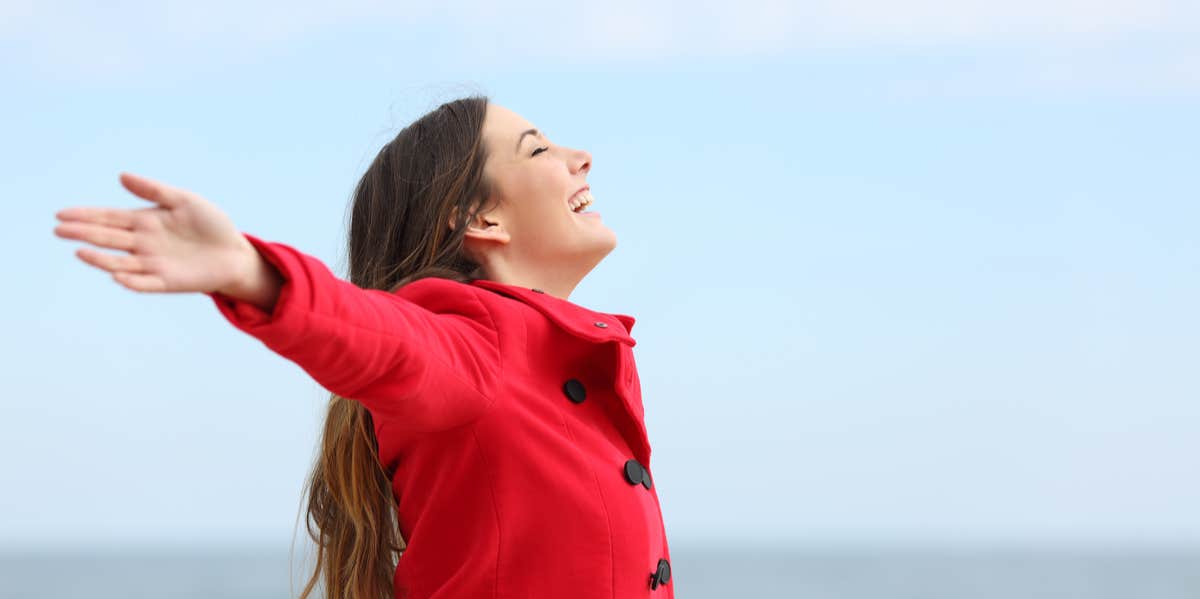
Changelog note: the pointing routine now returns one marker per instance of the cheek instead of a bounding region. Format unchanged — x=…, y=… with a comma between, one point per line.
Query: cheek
x=544, y=213
x=553, y=209
x=556, y=208
x=546, y=222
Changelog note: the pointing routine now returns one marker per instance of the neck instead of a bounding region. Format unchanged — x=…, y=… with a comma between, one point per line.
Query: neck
x=559, y=280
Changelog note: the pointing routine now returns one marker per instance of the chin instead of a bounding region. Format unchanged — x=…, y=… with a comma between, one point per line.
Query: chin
x=610, y=236
x=597, y=249
x=609, y=244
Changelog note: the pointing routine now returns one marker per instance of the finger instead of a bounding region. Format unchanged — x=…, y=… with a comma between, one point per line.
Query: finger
x=138, y=282
x=117, y=239
x=112, y=217
x=149, y=189
x=111, y=262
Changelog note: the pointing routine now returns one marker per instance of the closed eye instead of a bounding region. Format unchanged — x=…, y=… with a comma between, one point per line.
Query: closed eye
x=535, y=152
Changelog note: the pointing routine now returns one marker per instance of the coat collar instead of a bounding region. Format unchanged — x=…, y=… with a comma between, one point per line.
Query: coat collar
x=576, y=319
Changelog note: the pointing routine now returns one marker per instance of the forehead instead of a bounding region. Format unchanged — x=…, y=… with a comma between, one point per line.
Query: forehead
x=500, y=116
x=502, y=127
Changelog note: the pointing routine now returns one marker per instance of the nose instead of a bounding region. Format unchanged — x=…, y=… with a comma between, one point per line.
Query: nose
x=582, y=161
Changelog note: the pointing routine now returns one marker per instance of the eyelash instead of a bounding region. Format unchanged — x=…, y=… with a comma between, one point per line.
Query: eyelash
x=535, y=152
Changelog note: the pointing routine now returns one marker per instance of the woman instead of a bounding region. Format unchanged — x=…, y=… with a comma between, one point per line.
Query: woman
x=485, y=435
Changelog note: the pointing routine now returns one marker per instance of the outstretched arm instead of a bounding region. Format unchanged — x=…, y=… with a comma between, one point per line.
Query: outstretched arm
x=426, y=369
x=423, y=369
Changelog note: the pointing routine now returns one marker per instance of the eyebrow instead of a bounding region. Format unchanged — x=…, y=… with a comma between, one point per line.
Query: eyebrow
x=522, y=138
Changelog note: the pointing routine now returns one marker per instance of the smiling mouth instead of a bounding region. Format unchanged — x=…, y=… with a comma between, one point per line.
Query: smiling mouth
x=581, y=201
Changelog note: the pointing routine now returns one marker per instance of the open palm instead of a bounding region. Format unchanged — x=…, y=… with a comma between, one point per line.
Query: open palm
x=183, y=244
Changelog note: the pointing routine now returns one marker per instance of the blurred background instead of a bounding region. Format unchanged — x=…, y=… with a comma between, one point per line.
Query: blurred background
x=916, y=282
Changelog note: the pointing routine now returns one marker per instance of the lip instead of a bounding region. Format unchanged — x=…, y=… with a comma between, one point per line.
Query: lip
x=581, y=190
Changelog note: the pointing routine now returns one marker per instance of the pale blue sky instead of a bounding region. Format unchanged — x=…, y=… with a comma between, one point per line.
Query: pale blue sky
x=903, y=272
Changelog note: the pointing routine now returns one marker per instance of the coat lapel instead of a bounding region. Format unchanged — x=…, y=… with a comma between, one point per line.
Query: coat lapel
x=582, y=322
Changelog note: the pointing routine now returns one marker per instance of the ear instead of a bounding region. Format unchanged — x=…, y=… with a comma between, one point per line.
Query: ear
x=488, y=231
x=484, y=227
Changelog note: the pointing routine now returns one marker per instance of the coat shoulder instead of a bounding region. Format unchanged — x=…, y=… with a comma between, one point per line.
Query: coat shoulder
x=450, y=297
x=437, y=291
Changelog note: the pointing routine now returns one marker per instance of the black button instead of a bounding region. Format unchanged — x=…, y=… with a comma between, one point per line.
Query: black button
x=662, y=575
x=603, y=325
x=575, y=391
x=536, y=290
x=633, y=472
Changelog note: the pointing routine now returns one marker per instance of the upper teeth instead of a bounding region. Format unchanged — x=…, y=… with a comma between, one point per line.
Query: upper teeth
x=584, y=198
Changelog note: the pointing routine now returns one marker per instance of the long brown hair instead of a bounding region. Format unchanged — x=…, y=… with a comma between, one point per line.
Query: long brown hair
x=430, y=173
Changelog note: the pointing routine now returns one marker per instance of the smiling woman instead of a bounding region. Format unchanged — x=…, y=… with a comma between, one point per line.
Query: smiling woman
x=485, y=436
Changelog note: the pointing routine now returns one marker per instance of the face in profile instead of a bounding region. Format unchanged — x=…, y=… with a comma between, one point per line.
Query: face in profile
x=532, y=227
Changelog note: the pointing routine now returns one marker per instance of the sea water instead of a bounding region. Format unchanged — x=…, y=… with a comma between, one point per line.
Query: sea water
x=698, y=573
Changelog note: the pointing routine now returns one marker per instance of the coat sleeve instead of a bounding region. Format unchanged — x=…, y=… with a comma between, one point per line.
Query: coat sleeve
x=419, y=368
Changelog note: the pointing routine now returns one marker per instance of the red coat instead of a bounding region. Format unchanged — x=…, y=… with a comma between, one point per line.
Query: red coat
x=512, y=420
